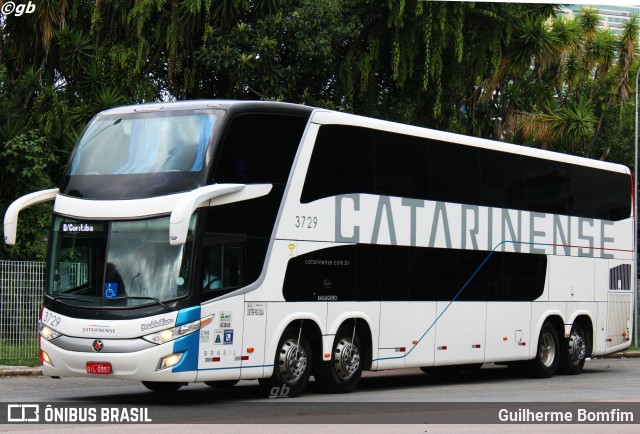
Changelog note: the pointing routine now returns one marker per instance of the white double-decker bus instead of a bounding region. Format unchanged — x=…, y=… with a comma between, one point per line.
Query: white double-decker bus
x=217, y=241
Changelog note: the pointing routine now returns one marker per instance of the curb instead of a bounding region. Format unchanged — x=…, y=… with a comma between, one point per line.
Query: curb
x=19, y=371
x=622, y=355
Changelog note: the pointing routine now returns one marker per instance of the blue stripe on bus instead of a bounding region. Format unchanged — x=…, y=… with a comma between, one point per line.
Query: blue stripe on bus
x=187, y=345
x=188, y=315
x=458, y=294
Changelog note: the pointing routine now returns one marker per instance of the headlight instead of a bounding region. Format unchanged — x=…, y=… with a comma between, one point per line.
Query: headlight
x=47, y=332
x=176, y=332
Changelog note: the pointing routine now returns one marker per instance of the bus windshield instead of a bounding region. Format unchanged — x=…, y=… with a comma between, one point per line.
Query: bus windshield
x=140, y=155
x=117, y=264
x=143, y=143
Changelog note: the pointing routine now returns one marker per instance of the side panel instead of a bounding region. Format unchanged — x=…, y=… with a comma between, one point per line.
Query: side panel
x=600, y=341
x=508, y=331
x=401, y=323
x=571, y=278
x=221, y=340
x=255, y=326
x=460, y=333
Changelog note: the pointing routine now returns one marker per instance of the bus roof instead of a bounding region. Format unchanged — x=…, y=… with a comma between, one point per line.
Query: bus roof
x=202, y=104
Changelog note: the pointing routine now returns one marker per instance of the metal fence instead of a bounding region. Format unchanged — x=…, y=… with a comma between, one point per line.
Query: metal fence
x=21, y=289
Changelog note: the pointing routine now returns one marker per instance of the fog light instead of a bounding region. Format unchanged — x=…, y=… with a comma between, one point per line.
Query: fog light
x=170, y=360
x=44, y=357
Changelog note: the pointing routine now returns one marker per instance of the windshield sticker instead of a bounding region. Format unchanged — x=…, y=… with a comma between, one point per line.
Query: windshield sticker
x=110, y=290
x=225, y=320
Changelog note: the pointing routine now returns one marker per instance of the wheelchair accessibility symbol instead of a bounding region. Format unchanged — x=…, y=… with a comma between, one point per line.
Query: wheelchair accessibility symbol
x=110, y=291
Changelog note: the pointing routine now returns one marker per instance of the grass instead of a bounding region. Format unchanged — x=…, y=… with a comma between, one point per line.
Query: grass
x=20, y=362
x=23, y=354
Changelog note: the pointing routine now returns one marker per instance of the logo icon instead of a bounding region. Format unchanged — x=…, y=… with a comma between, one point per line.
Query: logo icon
x=292, y=249
x=97, y=345
x=23, y=413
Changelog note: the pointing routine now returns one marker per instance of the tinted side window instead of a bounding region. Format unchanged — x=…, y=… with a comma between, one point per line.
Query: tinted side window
x=502, y=179
x=341, y=163
x=401, y=165
x=616, y=199
x=323, y=275
x=434, y=274
x=394, y=272
x=584, y=191
x=359, y=160
x=259, y=148
x=546, y=186
x=397, y=273
x=455, y=173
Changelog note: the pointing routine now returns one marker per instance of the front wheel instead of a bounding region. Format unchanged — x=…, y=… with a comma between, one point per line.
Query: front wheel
x=545, y=364
x=162, y=386
x=292, y=366
x=574, y=352
x=342, y=373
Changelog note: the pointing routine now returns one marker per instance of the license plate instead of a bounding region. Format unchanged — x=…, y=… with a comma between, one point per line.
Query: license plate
x=99, y=368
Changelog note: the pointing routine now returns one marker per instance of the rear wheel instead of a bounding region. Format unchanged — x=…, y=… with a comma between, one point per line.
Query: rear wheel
x=162, y=386
x=292, y=366
x=342, y=373
x=545, y=364
x=574, y=351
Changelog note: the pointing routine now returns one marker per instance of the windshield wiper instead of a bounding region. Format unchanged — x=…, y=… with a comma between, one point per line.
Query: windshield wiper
x=69, y=297
x=131, y=297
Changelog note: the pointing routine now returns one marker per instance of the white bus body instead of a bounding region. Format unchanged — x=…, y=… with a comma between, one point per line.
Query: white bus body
x=496, y=253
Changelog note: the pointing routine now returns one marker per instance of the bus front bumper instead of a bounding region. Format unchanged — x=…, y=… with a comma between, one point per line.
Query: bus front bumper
x=144, y=365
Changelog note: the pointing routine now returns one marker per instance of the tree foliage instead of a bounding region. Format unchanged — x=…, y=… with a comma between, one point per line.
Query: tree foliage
x=507, y=71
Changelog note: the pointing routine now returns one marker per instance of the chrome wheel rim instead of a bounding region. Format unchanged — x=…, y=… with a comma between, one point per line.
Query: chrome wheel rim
x=346, y=358
x=292, y=361
x=577, y=348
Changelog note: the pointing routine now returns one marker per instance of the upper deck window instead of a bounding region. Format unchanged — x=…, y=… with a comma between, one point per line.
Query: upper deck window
x=140, y=155
x=143, y=143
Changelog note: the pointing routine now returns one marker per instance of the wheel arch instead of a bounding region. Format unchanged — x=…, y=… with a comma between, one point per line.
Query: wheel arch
x=310, y=328
x=553, y=317
x=363, y=330
x=586, y=321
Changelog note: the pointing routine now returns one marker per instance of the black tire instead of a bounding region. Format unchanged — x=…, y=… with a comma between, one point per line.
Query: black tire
x=223, y=384
x=162, y=386
x=291, y=367
x=573, y=352
x=342, y=373
x=545, y=364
